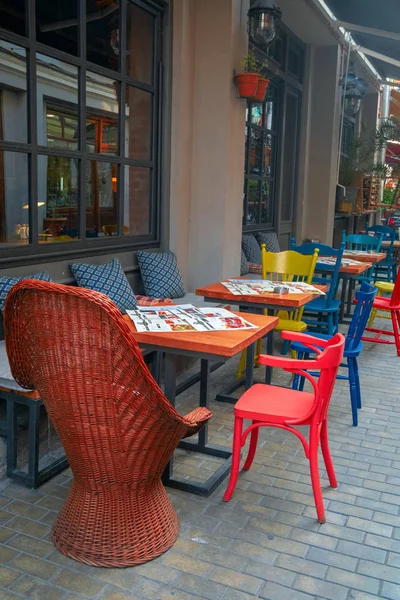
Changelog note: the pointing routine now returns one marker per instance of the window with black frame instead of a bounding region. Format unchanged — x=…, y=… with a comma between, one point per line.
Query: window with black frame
x=79, y=124
x=261, y=132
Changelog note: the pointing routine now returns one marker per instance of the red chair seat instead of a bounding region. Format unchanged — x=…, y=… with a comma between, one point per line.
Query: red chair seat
x=383, y=303
x=273, y=404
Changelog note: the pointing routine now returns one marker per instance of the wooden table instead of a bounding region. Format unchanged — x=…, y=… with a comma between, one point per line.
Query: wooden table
x=207, y=346
x=269, y=301
x=386, y=243
x=368, y=257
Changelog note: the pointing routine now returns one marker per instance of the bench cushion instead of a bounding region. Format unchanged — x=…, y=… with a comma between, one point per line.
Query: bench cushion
x=109, y=279
x=6, y=283
x=244, y=265
x=160, y=274
x=251, y=249
x=270, y=239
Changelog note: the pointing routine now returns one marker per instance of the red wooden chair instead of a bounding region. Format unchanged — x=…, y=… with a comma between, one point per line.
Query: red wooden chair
x=272, y=406
x=392, y=305
x=118, y=430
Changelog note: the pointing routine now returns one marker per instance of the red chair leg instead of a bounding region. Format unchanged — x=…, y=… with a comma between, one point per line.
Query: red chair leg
x=316, y=484
x=327, y=456
x=395, y=324
x=252, y=448
x=236, y=448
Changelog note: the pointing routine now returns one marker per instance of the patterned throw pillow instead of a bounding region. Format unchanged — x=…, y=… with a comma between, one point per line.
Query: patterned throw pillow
x=244, y=265
x=270, y=240
x=160, y=274
x=108, y=279
x=251, y=249
x=6, y=283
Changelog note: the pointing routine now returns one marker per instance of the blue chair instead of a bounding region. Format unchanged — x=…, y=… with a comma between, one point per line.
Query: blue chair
x=322, y=314
x=387, y=269
x=363, y=242
x=352, y=350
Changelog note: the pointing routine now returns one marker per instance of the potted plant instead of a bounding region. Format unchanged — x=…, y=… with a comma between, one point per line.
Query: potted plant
x=251, y=85
x=359, y=160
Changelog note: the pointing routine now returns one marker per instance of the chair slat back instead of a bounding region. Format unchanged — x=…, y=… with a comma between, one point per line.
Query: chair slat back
x=332, y=278
x=365, y=298
x=395, y=298
x=288, y=266
x=331, y=358
x=362, y=241
x=387, y=234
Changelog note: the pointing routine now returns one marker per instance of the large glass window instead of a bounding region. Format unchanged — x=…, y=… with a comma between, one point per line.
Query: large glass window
x=79, y=124
x=261, y=134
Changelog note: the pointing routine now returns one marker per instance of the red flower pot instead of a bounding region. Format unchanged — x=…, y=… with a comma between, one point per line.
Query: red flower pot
x=261, y=93
x=247, y=84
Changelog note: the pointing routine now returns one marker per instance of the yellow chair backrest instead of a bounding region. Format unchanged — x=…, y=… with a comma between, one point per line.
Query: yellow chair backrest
x=288, y=266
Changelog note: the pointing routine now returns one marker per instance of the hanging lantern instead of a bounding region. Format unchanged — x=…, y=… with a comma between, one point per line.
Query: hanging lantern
x=263, y=17
x=352, y=102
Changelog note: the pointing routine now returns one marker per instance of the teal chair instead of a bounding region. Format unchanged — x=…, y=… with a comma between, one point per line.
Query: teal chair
x=386, y=270
x=322, y=313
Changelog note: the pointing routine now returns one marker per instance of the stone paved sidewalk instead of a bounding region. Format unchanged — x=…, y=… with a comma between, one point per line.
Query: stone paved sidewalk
x=266, y=542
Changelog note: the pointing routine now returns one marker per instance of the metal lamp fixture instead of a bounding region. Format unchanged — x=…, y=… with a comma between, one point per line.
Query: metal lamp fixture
x=263, y=17
x=352, y=101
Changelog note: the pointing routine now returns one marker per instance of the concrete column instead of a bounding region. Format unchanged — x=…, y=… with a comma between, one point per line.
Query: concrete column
x=207, y=153
x=323, y=144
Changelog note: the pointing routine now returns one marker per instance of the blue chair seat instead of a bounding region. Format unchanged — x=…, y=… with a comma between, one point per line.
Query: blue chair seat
x=320, y=305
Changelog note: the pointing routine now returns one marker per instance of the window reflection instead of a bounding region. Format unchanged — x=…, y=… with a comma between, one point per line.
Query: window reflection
x=13, y=16
x=58, y=216
x=14, y=199
x=139, y=115
x=13, y=94
x=57, y=100
x=101, y=199
x=137, y=201
x=102, y=114
x=102, y=31
x=57, y=24
x=140, y=44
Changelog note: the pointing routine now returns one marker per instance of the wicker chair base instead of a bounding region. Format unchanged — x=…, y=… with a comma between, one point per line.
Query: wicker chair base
x=119, y=527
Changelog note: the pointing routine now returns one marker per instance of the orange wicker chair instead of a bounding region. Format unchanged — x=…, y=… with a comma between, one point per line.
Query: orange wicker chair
x=118, y=429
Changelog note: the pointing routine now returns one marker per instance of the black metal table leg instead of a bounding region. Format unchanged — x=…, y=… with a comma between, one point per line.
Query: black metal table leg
x=250, y=354
x=33, y=444
x=11, y=438
x=201, y=446
x=270, y=350
x=226, y=395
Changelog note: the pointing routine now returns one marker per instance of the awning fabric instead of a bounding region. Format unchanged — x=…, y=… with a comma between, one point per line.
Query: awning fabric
x=376, y=14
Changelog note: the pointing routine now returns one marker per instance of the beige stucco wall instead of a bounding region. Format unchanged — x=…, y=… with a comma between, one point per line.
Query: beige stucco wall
x=207, y=142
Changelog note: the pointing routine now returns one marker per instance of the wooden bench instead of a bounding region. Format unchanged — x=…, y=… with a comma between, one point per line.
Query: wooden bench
x=14, y=395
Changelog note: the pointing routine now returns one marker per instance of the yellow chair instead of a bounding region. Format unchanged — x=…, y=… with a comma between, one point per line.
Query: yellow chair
x=284, y=267
x=384, y=287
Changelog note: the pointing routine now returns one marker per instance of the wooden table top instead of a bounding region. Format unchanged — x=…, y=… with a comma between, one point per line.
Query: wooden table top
x=370, y=257
x=219, y=292
x=355, y=269
x=218, y=343
x=386, y=243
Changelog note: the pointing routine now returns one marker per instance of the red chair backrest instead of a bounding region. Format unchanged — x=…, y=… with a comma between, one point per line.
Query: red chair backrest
x=395, y=299
x=328, y=362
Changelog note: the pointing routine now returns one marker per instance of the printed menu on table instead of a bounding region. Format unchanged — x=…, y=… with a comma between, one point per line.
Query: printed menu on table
x=185, y=317
x=256, y=287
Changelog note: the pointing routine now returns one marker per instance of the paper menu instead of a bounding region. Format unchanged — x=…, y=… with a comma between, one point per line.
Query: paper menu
x=186, y=318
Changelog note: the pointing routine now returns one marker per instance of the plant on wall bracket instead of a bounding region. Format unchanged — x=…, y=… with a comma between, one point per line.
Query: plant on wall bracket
x=252, y=85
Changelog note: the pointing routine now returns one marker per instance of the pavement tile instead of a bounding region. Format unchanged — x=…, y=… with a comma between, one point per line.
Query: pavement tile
x=241, y=581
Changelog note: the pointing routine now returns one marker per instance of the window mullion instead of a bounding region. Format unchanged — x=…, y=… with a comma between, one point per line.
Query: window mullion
x=32, y=129
x=82, y=121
